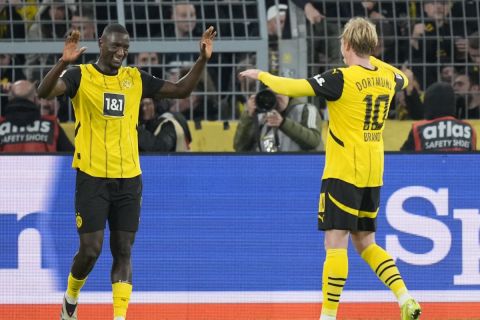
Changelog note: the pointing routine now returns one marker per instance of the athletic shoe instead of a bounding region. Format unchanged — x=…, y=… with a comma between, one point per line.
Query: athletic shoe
x=69, y=311
x=411, y=310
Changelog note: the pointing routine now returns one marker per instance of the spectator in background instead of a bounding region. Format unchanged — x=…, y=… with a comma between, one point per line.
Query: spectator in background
x=24, y=129
x=474, y=48
x=325, y=43
x=412, y=94
x=402, y=108
x=474, y=55
x=161, y=130
x=245, y=87
x=467, y=91
x=183, y=27
x=441, y=131
x=83, y=20
x=200, y=105
x=400, y=112
x=104, y=11
x=312, y=14
x=314, y=11
x=11, y=21
x=50, y=24
x=448, y=74
x=233, y=17
x=276, y=123
x=51, y=20
x=432, y=40
x=375, y=10
x=386, y=48
x=235, y=20
x=149, y=62
x=146, y=59
x=49, y=107
x=467, y=11
x=9, y=73
x=276, y=16
x=380, y=14
x=27, y=9
x=13, y=27
x=184, y=22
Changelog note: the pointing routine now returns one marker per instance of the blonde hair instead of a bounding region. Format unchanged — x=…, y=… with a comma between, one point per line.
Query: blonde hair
x=361, y=35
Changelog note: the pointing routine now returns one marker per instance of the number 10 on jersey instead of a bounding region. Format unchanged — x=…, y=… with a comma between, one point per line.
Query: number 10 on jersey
x=373, y=119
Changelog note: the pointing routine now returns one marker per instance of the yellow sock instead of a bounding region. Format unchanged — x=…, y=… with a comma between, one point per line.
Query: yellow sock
x=121, y=297
x=335, y=273
x=385, y=268
x=74, y=286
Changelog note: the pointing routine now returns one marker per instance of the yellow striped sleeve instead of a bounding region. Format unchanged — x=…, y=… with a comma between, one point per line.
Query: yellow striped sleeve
x=287, y=86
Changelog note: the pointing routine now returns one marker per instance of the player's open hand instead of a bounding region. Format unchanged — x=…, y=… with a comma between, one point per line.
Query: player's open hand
x=71, y=52
x=250, y=74
x=206, y=43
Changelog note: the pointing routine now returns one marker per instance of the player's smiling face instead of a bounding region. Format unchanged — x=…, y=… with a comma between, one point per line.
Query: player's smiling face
x=114, y=49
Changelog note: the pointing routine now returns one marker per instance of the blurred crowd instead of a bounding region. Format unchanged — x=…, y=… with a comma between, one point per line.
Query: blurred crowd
x=432, y=41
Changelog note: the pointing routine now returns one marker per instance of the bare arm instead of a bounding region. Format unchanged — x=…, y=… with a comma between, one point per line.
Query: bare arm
x=183, y=87
x=51, y=85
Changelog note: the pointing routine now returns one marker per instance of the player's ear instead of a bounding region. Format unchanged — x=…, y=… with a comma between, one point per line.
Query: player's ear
x=347, y=46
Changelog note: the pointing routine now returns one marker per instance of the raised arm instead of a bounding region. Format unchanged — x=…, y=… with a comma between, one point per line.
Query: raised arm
x=51, y=85
x=285, y=86
x=183, y=87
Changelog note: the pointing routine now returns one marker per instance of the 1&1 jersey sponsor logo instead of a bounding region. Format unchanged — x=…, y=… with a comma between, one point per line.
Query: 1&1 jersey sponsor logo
x=113, y=104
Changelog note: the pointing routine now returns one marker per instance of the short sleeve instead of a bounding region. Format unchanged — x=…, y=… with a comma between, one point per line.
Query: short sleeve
x=150, y=84
x=328, y=84
x=71, y=77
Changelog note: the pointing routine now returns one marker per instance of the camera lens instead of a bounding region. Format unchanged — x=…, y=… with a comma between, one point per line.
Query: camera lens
x=265, y=100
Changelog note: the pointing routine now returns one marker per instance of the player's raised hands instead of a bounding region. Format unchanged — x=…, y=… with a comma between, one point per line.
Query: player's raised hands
x=71, y=52
x=206, y=43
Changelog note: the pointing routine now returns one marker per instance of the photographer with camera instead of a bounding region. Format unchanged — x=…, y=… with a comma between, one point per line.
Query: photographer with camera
x=276, y=123
x=160, y=130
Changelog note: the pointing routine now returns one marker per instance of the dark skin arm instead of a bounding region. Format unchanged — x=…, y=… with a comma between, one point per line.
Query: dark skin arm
x=52, y=86
x=183, y=87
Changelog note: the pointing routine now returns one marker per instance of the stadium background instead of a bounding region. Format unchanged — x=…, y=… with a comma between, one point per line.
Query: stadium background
x=228, y=236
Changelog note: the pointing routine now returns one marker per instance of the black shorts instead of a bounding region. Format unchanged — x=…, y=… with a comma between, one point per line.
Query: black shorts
x=343, y=206
x=117, y=200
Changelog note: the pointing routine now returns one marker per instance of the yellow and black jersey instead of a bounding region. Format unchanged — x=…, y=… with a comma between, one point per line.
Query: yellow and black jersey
x=358, y=101
x=106, y=110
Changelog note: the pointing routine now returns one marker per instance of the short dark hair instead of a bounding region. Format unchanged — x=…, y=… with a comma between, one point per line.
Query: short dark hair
x=474, y=40
x=439, y=101
x=85, y=12
x=115, y=27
